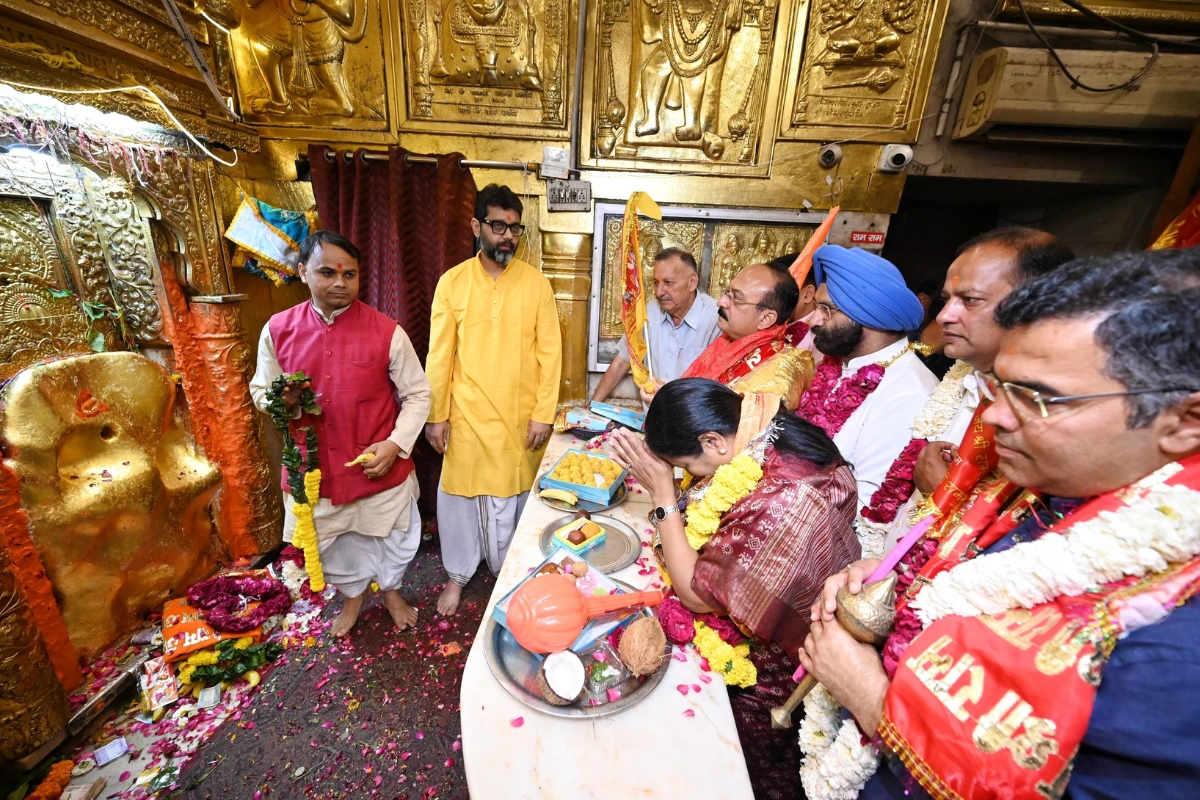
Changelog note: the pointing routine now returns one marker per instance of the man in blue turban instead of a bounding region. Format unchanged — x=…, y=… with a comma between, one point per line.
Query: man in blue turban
x=871, y=384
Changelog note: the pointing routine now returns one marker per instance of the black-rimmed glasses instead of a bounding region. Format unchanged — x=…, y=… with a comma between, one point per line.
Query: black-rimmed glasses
x=500, y=226
x=1032, y=401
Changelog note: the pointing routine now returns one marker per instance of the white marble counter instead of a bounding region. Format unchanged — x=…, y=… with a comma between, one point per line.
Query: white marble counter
x=671, y=744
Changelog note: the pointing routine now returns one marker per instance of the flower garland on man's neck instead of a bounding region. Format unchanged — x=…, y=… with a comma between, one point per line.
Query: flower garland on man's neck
x=830, y=401
x=304, y=473
x=717, y=639
x=930, y=424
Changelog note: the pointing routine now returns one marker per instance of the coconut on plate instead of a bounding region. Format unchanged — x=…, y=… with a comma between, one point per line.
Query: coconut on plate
x=561, y=679
x=642, y=646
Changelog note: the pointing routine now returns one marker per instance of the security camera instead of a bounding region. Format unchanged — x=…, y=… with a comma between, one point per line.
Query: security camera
x=895, y=157
x=830, y=156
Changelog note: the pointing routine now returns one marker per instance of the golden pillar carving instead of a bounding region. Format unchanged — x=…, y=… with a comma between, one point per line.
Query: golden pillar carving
x=222, y=341
x=33, y=705
x=567, y=262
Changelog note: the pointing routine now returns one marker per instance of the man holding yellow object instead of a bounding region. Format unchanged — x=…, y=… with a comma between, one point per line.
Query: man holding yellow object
x=495, y=358
x=374, y=399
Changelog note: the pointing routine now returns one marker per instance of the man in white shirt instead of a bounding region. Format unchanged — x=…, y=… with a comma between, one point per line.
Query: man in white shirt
x=871, y=384
x=682, y=321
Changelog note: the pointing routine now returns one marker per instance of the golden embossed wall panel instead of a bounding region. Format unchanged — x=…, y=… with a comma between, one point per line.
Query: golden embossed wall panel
x=490, y=67
x=316, y=64
x=653, y=236
x=34, y=324
x=683, y=85
x=865, y=65
x=736, y=245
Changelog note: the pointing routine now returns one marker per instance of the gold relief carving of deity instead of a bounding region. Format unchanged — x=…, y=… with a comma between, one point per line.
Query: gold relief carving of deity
x=736, y=246
x=314, y=63
x=488, y=62
x=867, y=64
x=653, y=237
x=696, y=87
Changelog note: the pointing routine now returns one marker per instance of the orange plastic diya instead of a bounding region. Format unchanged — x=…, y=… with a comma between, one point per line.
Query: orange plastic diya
x=548, y=613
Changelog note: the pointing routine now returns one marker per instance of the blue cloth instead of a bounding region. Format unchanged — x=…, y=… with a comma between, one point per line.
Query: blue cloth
x=868, y=289
x=1142, y=739
x=673, y=347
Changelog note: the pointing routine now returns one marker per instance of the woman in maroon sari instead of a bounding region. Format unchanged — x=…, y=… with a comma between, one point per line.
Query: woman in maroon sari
x=764, y=566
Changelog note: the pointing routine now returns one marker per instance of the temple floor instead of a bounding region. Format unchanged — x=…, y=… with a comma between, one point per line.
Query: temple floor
x=376, y=716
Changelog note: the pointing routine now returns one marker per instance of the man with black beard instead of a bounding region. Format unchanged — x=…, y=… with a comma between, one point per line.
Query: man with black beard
x=495, y=358
x=871, y=384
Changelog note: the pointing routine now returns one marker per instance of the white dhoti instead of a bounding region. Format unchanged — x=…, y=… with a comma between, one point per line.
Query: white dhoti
x=372, y=539
x=351, y=560
x=476, y=528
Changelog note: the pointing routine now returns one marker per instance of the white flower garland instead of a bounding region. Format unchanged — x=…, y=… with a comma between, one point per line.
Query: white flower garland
x=937, y=413
x=837, y=765
x=872, y=536
x=1159, y=528
x=930, y=424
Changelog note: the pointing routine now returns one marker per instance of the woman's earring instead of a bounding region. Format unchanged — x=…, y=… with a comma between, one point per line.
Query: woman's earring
x=722, y=451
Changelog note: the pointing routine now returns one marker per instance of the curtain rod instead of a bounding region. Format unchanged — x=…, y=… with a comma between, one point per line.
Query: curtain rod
x=412, y=158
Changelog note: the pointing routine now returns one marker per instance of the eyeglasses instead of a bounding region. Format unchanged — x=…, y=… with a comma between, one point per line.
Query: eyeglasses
x=499, y=227
x=1026, y=400
x=828, y=309
x=733, y=301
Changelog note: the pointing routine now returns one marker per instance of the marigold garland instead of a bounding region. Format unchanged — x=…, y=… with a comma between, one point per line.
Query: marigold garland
x=731, y=662
x=730, y=483
x=55, y=782
x=303, y=472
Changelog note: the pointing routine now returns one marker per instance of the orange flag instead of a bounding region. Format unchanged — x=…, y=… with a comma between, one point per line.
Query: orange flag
x=803, y=262
x=633, y=300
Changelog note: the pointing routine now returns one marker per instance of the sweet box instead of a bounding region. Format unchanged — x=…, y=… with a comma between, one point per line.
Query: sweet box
x=590, y=490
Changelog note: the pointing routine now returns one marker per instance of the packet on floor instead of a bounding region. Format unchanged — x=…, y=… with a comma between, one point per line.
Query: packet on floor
x=85, y=791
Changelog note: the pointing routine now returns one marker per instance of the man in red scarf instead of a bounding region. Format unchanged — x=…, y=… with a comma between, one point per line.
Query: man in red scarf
x=756, y=351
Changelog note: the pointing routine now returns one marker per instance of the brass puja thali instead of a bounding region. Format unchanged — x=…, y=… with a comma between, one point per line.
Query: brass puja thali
x=619, y=549
x=516, y=669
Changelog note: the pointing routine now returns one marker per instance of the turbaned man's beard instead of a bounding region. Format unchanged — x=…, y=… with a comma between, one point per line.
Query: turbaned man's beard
x=838, y=342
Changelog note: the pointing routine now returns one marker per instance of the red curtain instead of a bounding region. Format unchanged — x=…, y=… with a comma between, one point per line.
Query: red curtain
x=412, y=222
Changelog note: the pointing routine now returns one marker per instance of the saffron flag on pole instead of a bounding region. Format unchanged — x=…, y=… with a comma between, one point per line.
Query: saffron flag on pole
x=803, y=262
x=633, y=299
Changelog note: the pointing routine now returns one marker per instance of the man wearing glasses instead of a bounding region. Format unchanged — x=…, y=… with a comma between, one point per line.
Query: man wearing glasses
x=495, y=358
x=1051, y=645
x=756, y=351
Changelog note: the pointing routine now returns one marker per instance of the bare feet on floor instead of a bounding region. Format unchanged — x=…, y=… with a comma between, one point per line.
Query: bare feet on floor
x=448, y=601
x=404, y=615
x=348, y=615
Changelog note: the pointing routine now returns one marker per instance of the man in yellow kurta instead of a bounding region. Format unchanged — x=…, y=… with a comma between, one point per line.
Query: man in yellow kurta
x=495, y=358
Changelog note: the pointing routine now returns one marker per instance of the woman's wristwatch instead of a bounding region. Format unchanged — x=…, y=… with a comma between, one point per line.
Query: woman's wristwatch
x=660, y=513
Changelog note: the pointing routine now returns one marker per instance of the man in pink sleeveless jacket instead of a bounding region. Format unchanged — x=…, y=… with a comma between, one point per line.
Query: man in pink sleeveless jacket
x=374, y=398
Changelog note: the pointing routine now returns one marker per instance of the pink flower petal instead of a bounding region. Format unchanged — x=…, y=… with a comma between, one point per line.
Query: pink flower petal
x=705, y=677
x=683, y=689
x=457, y=745
x=695, y=687
x=124, y=776
x=449, y=762
x=687, y=712
x=517, y=722
x=613, y=695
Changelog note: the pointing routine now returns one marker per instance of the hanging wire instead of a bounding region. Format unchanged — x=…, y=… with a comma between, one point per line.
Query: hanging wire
x=1076, y=83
